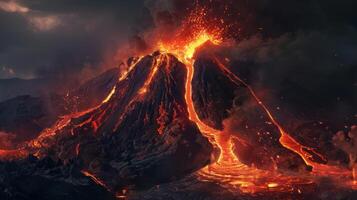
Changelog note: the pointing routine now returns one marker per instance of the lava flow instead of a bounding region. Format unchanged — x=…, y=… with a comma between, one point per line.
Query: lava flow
x=227, y=169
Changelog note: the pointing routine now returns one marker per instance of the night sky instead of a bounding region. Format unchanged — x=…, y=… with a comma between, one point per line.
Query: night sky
x=52, y=38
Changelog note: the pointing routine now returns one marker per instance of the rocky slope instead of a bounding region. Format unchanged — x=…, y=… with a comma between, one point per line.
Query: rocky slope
x=22, y=118
x=142, y=136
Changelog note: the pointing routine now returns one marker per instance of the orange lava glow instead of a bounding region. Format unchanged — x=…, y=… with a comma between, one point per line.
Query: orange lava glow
x=12, y=154
x=156, y=64
x=227, y=169
x=185, y=54
x=109, y=95
x=306, y=153
x=38, y=143
x=161, y=119
x=94, y=178
x=125, y=74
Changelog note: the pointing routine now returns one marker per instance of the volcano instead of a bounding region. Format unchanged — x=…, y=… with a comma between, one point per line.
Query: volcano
x=168, y=119
x=141, y=130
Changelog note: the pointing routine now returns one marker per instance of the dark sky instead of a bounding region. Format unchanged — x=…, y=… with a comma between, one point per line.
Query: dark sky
x=42, y=38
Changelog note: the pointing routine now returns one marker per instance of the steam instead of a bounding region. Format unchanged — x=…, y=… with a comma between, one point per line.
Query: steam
x=13, y=7
x=348, y=143
x=6, y=140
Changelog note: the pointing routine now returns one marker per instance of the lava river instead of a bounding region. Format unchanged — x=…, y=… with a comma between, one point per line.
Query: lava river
x=227, y=170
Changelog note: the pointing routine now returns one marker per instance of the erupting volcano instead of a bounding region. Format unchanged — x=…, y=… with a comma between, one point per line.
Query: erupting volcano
x=227, y=168
x=180, y=116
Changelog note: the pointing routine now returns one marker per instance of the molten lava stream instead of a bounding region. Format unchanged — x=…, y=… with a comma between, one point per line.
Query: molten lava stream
x=33, y=146
x=306, y=153
x=228, y=170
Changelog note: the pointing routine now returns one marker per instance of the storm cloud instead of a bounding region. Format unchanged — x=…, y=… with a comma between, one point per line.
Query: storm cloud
x=59, y=38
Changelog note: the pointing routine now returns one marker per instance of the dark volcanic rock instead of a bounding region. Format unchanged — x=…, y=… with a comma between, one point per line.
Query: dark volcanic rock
x=313, y=104
x=142, y=136
x=92, y=92
x=190, y=188
x=46, y=180
x=226, y=103
x=23, y=118
x=213, y=93
x=20, y=120
x=11, y=88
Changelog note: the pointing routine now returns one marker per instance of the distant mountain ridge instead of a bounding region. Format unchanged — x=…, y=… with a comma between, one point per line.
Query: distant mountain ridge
x=35, y=106
x=10, y=88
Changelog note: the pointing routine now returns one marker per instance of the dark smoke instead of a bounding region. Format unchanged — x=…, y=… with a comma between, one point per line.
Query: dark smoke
x=348, y=143
x=299, y=50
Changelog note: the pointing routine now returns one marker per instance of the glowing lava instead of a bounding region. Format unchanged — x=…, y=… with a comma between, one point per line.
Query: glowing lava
x=94, y=178
x=109, y=95
x=228, y=170
x=184, y=54
x=306, y=153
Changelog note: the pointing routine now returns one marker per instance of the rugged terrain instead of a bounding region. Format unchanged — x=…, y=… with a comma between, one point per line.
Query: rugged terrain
x=131, y=136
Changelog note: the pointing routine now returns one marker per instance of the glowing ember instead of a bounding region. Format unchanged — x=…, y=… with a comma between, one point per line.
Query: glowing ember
x=273, y=185
x=161, y=119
